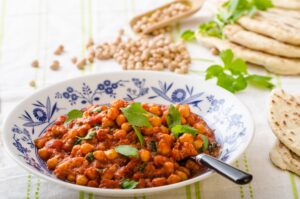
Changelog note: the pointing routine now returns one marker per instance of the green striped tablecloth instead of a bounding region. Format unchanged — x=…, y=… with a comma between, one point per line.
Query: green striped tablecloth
x=32, y=29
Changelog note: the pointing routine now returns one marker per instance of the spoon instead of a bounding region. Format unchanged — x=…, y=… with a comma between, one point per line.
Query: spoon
x=195, y=5
x=235, y=175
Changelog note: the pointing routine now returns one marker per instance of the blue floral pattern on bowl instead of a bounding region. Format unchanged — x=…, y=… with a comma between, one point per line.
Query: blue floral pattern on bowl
x=231, y=126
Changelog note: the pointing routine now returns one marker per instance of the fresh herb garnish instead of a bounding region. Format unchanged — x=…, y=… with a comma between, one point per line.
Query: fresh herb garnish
x=180, y=129
x=129, y=184
x=233, y=76
x=127, y=150
x=90, y=157
x=136, y=115
x=139, y=135
x=173, y=117
x=73, y=114
x=91, y=133
x=153, y=146
x=188, y=35
x=230, y=12
x=205, y=142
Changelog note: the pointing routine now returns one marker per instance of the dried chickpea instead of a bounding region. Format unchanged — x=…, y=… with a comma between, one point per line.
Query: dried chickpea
x=86, y=148
x=99, y=155
x=145, y=155
x=59, y=50
x=81, y=180
x=121, y=119
x=32, y=83
x=81, y=64
x=35, y=64
x=186, y=137
x=74, y=60
x=111, y=154
x=55, y=65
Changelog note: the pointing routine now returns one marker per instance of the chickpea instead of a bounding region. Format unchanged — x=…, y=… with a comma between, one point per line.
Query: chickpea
x=169, y=167
x=155, y=110
x=71, y=177
x=147, y=131
x=181, y=174
x=183, y=120
x=119, y=134
x=198, y=144
x=155, y=121
x=173, y=178
x=159, y=181
x=93, y=183
x=126, y=127
x=117, y=104
x=186, y=137
x=52, y=162
x=81, y=180
x=86, y=148
x=91, y=173
x=159, y=160
x=145, y=155
x=75, y=150
x=121, y=119
x=40, y=142
x=200, y=127
x=112, y=113
x=107, y=122
x=99, y=155
x=191, y=119
x=163, y=148
x=43, y=153
x=111, y=154
x=184, y=110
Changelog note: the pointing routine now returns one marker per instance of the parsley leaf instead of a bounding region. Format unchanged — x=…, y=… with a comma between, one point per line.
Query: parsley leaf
x=180, y=129
x=211, y=28
x=135, y=114
x=260, y=81
x=188, y=35
x=263, y=4
x=90, y=157
x=73, y=114
x=205, y=142
x=173, y=117
x=91, y=133
x=129, y=184
x=127, y=150
x=139, y=135
x=233, y=76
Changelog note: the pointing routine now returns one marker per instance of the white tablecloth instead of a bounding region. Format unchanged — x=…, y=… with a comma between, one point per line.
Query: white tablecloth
x=32, y=29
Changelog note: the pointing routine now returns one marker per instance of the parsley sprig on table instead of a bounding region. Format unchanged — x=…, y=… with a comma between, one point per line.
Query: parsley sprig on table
x=233, y=75
x=229, y=13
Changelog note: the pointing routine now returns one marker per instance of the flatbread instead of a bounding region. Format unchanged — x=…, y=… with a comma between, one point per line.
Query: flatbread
x=278, y=65
x=290, y=21
x=287, y=4
x=252, y=40
x=283, y=158
x=282, y=12
x=273, y=29
x=284, y=119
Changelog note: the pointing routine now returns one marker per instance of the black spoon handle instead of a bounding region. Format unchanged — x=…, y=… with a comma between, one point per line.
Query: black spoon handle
x=235, y=175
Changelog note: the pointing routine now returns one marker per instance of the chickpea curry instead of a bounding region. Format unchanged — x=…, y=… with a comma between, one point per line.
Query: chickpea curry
x=126, y=145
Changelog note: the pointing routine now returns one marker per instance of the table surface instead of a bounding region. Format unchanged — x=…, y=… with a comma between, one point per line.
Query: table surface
x=32, y=29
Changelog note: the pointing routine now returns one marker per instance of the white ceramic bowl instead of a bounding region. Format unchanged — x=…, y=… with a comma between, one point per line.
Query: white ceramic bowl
x=220, y=109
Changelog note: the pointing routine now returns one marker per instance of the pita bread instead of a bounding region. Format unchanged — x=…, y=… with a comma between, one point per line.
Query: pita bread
x=290, y=21
x=278, y=65
x=290, y=13
x=284, y=119
x=283, y=158
x=273, y=29
x=287, y=4
x=252, y=40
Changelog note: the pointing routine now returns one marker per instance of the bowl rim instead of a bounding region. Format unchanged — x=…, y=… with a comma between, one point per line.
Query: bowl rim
x=125, y=192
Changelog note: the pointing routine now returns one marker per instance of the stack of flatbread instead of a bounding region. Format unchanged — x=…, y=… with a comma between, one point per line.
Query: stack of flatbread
x=284, y=119
x=269, y=38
